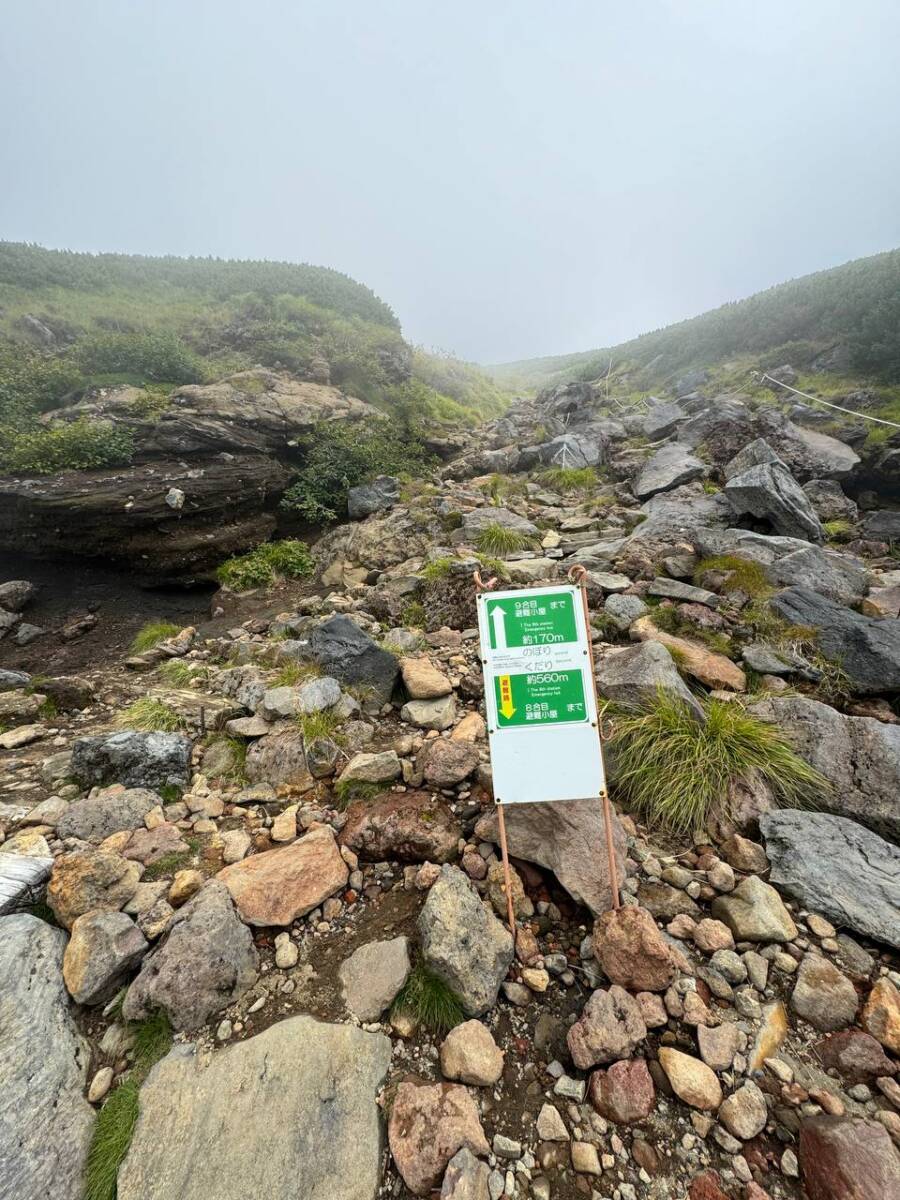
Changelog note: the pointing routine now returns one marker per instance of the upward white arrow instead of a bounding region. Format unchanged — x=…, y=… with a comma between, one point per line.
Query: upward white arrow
x=499, y=618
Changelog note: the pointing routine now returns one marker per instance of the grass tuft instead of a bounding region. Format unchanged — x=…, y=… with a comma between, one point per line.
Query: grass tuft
x=414, y=615
x=152, y=634
x=118, y=1116
x=437, y=569
x=179, y=673
x=839, y=530
x=569, y=479
x=495, y=539
x=151, y=715
x=674, y=770
x=348, y=791
x=292, y=673
x=318, y=725
x=743, y=574
x=428, y=999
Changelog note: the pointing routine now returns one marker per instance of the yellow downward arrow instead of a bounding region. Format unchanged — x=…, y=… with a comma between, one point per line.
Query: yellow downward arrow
x=506, y=704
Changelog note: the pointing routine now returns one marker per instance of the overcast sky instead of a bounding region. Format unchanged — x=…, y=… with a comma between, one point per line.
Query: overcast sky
x=515, y=177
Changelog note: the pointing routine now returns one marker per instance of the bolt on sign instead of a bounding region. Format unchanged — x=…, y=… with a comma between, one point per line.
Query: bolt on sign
x=539, y=695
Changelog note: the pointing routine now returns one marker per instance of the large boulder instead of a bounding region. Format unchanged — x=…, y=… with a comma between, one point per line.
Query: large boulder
x=838, y=868
x=634, y=675
x=279, y=758
x=132, y=758
x=345, y=651
x=91, y=879
x=567, y=838
x=293, y=1111
x=769, y=490
x=379, y=495
x=840, y=577
x=669, y=467
x=867, y=650
x=278, y=886
x=845, y=1158
x=45, y=1121
x=859, y=756
x=206, y=962
x=112, y=810
x=481, y=518
x=409, y=827
x=101, y=953
x=463, y=942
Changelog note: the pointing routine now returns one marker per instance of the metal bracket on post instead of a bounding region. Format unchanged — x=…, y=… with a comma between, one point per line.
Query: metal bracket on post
x=482, y=586
x=577, y=575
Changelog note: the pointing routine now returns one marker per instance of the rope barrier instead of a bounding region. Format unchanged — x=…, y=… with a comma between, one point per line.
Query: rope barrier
x=836, y=407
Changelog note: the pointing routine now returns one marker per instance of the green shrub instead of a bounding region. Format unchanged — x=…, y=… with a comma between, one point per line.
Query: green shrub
x=342, y=455
x=152, y=634
x=839, y=530
x=262, y=566
x=151, y=715
x=81, y=445
x=430, y=1001
x=32, y=383
x=414, y=615
x=158, y=357
x=674, y=770
x=438, y=568
x=495, y=540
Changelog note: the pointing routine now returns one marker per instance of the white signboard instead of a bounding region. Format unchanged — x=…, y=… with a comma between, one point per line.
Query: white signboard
x=539, y=695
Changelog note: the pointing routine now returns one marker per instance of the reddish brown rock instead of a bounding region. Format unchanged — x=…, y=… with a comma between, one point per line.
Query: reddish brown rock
x=147, y=846
x=625, y=1093
x=632, y=951
x=707, y=1187
x=857, y=1057
x=444, y=762
x=845, y=1158
x=278, y=886
x=410, y=827
x=429, y=1123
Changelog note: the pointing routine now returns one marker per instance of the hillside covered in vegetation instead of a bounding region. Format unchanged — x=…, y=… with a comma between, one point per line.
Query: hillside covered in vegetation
x=847, y=318
x=70, y=321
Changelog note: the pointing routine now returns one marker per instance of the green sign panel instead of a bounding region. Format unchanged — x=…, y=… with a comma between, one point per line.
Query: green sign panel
x=540, y=698
x=544, y=620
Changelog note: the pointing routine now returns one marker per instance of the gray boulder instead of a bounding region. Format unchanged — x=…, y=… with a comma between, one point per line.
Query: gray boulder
x=757, y=453
x=837, y=868
x=45, y=1121
x=840, y=577
x=206, y=962
x=675, y=517
x=111, y=811
x=623, y=611
x=463, y=942
x=808, y=453
x=770, y=491
x=633, y=676
x=828, y=499
x=568, y=839
x=378, y=496
x=882, y=525
x=373, y=975
x=859, y=756
x=291, y=1112
x=867, y=650
x=132, y=758
x=343, y=650
x=662, y=419
x=480, y=518
x=11, y=681
x=15, y=594
x=670, y=466
x=572, y=450
x=103, y=949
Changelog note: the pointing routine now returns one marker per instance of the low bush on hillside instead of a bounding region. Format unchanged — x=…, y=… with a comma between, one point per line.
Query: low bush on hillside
x=262, y=566
x=157, y=357
x=674, y=770
x=75, y=446
x=341, y=456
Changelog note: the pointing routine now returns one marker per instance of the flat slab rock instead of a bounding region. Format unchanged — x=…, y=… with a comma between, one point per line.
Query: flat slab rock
x=289, y=1113
x=278, y=886
x=45, y=1121
x=837, y=868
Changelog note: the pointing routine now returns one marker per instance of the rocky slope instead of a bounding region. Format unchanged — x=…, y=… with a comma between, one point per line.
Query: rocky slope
x=315, y=826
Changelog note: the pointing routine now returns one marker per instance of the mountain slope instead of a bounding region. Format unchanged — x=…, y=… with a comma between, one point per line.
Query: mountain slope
x=69, y=321
x=848, y=316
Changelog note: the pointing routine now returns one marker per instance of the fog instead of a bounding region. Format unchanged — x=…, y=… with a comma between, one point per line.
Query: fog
x=515, y=178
